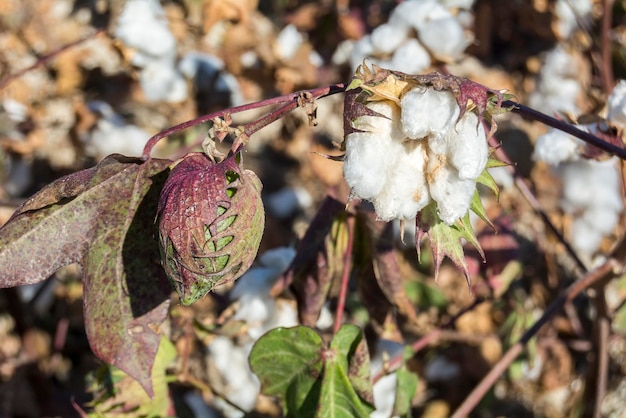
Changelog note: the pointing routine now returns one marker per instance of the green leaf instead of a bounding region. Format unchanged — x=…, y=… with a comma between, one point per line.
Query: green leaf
x=287, y=362
x=117, y=393
x=406, y=385
x=476, y=206
x=486, y=179
x=349, y=342
x=103, y=218
x=310, y=379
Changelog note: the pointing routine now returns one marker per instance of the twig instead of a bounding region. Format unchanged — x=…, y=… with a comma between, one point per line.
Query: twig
x=345, y=277
x=46, y=58
x=606, y=271
x=606, y=66
x=565, y=127
x=250, y=128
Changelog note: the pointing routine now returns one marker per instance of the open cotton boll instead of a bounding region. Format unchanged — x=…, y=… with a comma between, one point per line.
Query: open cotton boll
x=113, y=136
x=457, y=4
x=405, y=193
x=384, y=390
x=142, y=25
x=568, y=13
x=288, y=42
x=365, y=164
x=591, y=183
x=584, y=237
x=426, y=111
x=411, y=58
x=161, y=81
x=468, y=150
x=452, y=194
x=617, y=105
x=343, y=52
x=413, y=13
x=555, y=147
x=361, y=49
x=241, y=386
x=443, y=37
x=602, y=219
x=387, y=38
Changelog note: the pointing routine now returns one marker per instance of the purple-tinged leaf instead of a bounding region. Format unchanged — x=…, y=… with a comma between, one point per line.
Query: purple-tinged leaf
x=319, y=260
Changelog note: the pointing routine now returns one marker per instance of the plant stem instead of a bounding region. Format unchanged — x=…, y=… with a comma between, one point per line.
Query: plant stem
x=565, y=127
x=291, y=99
x=46, y=58
x=345, y=277
x=606, y=271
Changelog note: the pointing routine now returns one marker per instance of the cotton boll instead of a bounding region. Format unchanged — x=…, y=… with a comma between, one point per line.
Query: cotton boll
x=405, y=193
x=426, y=111
x=365, y=166
x=370, y=154
x=602, y=219
x=241, y=386
x=411, y=58
x=278, y=258
x=591, y=184
x=343, y=52
x=414, y=13
x=556, y=146
x=468, y=150
x=287, y=201
x=207, y=72
x=452, y=194
x=384, y=392
x=568, y=13
x=288, y=42
x=160, y=81
x=502, y=177
x=109, y=137
x=458, y=4
x=584, y=237
x=361, y=49
x=142, y=25
x=444, y=38
x=617, y=105
x=387, y=38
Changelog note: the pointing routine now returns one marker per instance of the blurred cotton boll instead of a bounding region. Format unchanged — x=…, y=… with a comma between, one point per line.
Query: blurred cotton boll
x=142, y=26
x=570, y=13
x=288, y=201
x=411, y=58
x=385, y=388
x=556, y=146
x=617, y=105
x=444, y=38
x=112, y=135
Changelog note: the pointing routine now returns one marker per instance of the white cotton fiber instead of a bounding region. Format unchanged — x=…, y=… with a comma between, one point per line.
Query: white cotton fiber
x=414, y=13
x=361, y=49
x=584, y=237
x=411, y=58
x=590, y=183
x=387, y=38
x=405, y=192
x=468, y=151
x=365, y=166
x=452, y=194
x=142, y=25
x=443, y=37
x=568, y=13
x=161, y=81
x=428, y=112
x=617, y=105
x=288, y=42
x=556, y=146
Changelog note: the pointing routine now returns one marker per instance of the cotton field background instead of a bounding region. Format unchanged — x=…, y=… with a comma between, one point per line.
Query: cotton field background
x=532, y=324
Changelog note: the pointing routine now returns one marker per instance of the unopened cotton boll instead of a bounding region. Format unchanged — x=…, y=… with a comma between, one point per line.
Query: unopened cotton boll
x=387, y=38
x=426, y=111
x=468, y=151
x=617, y=105
x=411, y=58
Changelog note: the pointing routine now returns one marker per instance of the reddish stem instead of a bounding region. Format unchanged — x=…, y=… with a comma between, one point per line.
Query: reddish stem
x=470, y=402
x=46, y=58
x=606, y=66
x=345, y=278
x=254, y=126
x=565, y=127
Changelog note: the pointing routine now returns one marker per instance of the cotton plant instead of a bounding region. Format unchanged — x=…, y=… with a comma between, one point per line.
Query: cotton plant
x=416, y=148
x=440, y=33
x=591, y=188
x=559, y=84
x=143, y=27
